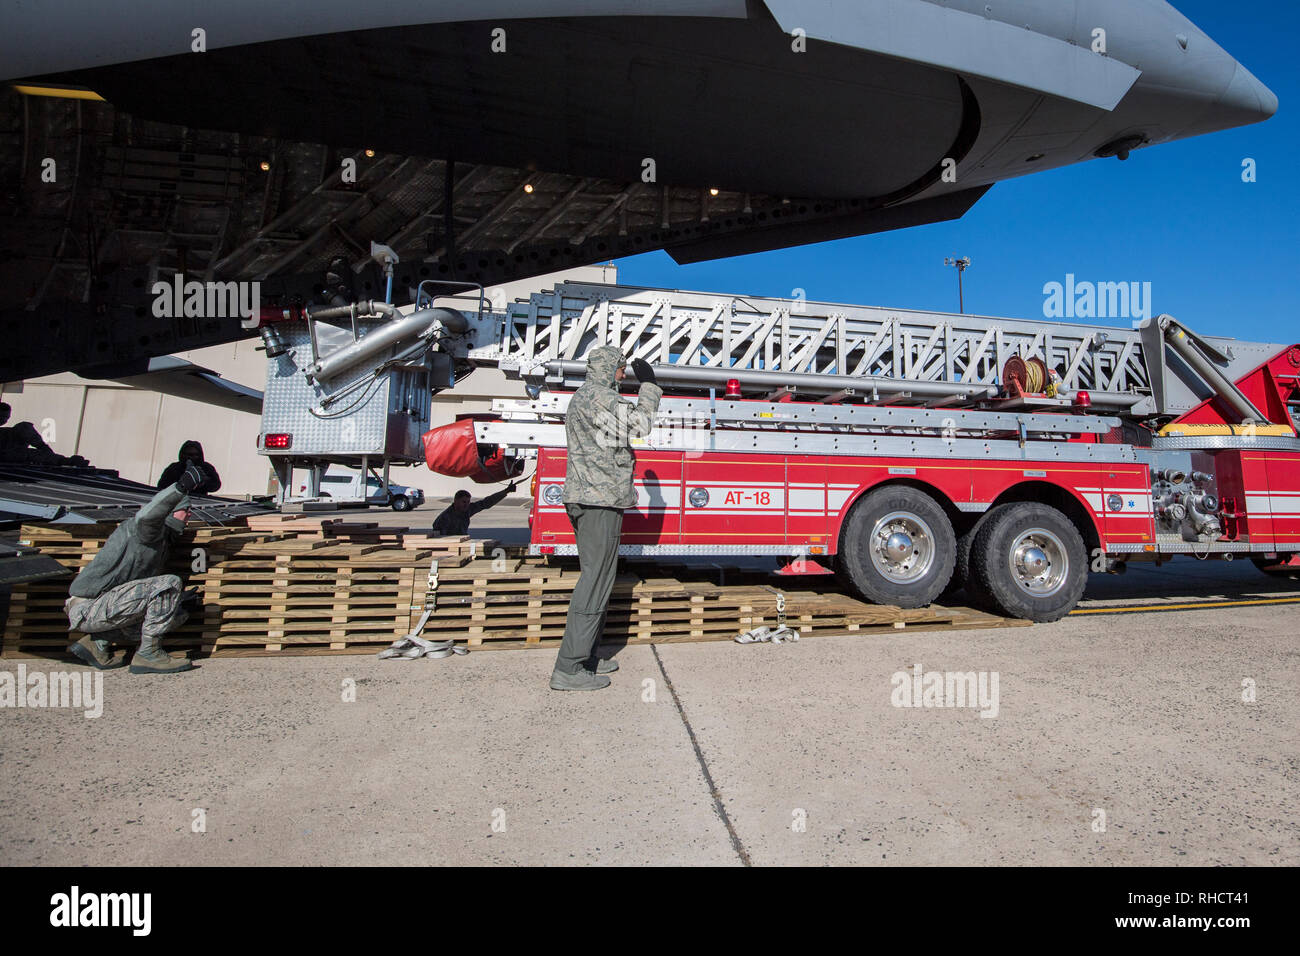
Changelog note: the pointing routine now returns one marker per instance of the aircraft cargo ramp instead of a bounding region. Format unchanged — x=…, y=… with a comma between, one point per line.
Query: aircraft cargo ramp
x=79, y=496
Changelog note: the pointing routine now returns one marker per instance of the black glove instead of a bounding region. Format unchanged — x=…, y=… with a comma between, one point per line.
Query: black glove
x=643, y=372
x=191, y=478
x=510, y=487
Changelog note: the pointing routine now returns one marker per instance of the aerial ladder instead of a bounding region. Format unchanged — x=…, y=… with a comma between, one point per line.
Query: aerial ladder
x=913, y=452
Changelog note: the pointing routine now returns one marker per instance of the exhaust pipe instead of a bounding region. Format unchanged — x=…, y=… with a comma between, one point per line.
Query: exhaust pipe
x=399, y=331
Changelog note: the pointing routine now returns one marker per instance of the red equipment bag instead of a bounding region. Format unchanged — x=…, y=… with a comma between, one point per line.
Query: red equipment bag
x=451, y=450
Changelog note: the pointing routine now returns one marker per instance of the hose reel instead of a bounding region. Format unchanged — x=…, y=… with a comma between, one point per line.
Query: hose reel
x=1026, y=376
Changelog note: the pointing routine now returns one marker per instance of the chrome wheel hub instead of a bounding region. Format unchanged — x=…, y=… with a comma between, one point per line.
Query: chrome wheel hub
x=902, y=547
x=1039, y=562
x=898, y=547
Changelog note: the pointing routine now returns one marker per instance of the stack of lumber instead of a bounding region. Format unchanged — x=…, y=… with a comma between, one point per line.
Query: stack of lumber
x=287, y=584
x=308, y=533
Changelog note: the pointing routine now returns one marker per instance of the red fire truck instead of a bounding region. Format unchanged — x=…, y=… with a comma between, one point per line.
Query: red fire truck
x=913, y=453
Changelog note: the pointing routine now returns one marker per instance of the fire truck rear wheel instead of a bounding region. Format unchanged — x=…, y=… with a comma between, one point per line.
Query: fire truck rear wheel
x=1030, y=562
x=899, y=547
x=961, y=567
x=1264, y=564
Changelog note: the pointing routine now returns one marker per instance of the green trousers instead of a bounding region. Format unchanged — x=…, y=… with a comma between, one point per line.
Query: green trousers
x=597, y=531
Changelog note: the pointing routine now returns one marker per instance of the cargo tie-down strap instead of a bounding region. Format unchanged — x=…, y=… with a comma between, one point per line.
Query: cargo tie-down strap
x=759, y=635
x=413, y=645
x=775, y=635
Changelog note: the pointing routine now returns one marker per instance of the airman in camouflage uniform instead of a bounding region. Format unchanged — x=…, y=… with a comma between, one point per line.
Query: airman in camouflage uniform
x=598, y=430
x=121, y=593
x=455, y=519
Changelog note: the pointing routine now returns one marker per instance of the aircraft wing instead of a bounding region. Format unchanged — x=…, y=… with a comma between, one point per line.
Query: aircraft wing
x=173, y=376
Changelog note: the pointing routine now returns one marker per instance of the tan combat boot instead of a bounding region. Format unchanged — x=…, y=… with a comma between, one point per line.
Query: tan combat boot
x=152, y=659
x=97, y=652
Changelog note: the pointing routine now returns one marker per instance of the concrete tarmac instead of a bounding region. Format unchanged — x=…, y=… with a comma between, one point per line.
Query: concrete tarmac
x=1118, y=739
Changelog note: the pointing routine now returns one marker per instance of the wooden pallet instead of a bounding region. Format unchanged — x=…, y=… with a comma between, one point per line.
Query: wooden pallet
x=339, y=530
x=315, y=588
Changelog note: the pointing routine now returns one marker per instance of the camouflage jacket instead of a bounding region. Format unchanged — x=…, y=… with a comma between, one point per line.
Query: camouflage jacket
x=598, y=430
x=138, y=548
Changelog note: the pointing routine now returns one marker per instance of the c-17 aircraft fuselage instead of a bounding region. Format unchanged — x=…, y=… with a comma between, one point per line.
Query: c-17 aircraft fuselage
x=873, y=115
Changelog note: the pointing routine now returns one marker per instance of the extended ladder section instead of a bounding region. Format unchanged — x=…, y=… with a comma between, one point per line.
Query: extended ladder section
x=821, y=429
x=858, y=354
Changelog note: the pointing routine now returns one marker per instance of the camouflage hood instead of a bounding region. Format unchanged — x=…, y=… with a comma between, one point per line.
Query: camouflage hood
x=602, y=363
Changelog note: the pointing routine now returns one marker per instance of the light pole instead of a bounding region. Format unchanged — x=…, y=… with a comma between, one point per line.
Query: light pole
x=962, y=264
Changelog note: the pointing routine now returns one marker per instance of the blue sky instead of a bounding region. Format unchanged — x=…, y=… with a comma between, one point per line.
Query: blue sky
x=1218, y=252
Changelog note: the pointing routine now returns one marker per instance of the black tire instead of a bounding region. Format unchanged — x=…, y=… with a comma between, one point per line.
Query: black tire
x=977, y=595
x=841, y=572
x=961, y=565
x=993, y=577
x=1265, y=563
x=401, y=503
x=920, y=566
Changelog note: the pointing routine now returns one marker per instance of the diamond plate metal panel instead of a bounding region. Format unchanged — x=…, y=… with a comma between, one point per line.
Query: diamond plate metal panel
x=381, y=416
